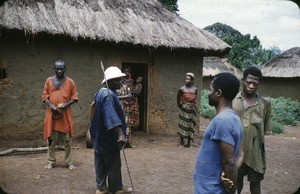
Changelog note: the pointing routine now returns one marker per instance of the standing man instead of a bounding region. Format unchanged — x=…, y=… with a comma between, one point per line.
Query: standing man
x=255, y=113
x=59, y=94
x=186, y=101
x=220, y=150
x=107, y=133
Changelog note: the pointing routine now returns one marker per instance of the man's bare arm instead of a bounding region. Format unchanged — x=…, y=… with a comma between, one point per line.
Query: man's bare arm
x=229, y=164
x=239, y=160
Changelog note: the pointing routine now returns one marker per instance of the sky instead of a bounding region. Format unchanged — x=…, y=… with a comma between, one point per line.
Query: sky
x=276, y=23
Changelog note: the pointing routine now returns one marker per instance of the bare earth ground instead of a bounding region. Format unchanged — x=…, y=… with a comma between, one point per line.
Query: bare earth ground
x=157, y=165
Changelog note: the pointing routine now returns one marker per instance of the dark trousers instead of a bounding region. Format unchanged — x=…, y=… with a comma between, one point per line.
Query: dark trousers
x=108, y=167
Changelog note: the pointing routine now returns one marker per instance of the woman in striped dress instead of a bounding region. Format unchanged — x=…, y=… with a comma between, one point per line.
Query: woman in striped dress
x=186, y=101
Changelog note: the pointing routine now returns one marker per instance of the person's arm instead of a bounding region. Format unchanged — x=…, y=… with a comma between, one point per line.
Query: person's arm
x=137, y=89
x=65, y=105
x=196, y=93
x=46, y=95
x=239, y=160
x=179, y=94
x=267, y=120
x=121, y=137
x=50, y=105
x=229, y=165
x=92, y=110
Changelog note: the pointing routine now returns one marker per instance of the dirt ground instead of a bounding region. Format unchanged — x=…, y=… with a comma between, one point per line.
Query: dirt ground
x=157, y=165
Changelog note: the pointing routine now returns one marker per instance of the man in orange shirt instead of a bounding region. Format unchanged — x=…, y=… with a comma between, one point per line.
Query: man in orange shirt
x=59, y=94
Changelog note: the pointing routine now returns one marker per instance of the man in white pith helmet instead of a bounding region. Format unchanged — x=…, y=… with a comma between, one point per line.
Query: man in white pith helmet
x=107, y=133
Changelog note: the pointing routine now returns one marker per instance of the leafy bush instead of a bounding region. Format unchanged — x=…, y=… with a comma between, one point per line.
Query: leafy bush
x=284, y=111
x=276, y=127
x=206, y=110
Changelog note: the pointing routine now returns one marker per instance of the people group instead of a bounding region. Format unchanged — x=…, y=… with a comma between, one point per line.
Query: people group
x=233, y=144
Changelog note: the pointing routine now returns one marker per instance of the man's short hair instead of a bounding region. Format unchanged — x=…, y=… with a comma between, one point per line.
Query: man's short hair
x=252, y=71
x=227, y=83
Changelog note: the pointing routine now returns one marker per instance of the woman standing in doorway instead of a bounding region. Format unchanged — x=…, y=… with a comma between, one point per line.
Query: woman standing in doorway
x=135, y=113
x=127, y=100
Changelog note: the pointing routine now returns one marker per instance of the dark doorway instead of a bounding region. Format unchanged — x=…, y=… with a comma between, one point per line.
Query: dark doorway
x=140, y=70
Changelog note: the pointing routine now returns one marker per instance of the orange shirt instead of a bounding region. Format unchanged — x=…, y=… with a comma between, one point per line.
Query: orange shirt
x=61, y=95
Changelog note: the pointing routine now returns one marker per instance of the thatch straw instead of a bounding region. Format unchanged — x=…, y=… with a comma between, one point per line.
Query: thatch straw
x=138, y=22
x=214, y=65
x=285, y=65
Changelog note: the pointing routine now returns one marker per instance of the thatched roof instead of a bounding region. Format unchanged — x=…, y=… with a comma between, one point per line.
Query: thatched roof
x=138, y=22
x=214, y=65
x=285, y=65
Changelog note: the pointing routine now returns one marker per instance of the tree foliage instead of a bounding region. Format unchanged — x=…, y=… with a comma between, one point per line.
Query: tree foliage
x=245, y=51
x=170, y=4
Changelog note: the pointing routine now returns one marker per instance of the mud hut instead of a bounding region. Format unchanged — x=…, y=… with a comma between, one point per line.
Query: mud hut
x=281, y=75
x=213, y=65
x=157, y=44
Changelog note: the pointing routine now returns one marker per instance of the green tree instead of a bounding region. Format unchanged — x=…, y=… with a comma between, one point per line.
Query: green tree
x=170, y=4
x=245, y=51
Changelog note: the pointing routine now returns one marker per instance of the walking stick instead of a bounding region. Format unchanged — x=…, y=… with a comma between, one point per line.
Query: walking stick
x=128, y=170
x=102, y=67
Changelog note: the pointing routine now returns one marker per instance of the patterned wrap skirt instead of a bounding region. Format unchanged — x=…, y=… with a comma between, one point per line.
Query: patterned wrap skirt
x=187, y=120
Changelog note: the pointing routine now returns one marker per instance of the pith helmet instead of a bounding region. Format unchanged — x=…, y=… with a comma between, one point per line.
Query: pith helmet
x=111, y=73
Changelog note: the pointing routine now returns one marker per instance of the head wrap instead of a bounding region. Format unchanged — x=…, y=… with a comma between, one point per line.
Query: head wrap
x=126, y=67
x=190, y=74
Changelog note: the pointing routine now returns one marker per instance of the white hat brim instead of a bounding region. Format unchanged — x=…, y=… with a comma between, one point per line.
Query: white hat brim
x=113, y=77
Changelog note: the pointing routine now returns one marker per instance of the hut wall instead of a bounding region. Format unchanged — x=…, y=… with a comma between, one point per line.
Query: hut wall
x=280, y=87
x=29, y=61
x=168, y=75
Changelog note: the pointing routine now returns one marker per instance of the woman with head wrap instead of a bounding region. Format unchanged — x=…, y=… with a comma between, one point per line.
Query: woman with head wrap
x=186, y=101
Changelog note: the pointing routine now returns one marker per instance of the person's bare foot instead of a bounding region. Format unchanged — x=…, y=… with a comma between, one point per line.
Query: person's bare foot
x=71, y=167
x=49, y=166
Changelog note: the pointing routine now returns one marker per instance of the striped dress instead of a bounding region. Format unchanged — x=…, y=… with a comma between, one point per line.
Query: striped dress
x=187, y=115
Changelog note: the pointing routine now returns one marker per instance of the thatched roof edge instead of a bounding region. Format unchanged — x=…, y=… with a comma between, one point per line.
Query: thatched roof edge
x=137, y=22
x=285, y=65
x=214, y=65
